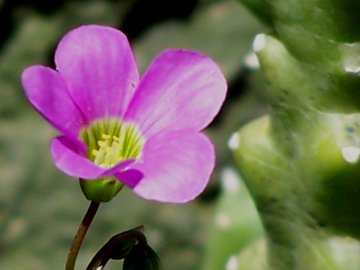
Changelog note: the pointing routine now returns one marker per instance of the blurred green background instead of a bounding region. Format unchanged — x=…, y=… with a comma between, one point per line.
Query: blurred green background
x=40, y=208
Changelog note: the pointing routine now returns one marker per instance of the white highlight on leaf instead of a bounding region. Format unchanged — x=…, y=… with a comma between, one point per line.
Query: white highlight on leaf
x=223, y=220
x=230, y=180
x=234, y=142
x=345, y=250
x=251, y=61
x=351, y=154
x=232, y=263
x=351, y=58
x=259, y=42
x=352, y=70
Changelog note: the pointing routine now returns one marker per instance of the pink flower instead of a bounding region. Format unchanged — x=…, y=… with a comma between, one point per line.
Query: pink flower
x=119, y=129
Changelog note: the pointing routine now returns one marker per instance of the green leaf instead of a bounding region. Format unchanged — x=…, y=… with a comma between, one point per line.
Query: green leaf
x=236, y=223
x=301, y=161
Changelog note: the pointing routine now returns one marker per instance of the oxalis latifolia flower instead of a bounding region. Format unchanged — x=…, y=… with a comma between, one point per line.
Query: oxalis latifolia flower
x=117, y=129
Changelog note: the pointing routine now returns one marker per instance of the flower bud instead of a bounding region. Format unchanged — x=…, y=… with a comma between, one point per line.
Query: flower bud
x=142, y=257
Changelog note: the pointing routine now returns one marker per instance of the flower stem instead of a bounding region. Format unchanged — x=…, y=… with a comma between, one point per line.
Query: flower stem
x=80, y=235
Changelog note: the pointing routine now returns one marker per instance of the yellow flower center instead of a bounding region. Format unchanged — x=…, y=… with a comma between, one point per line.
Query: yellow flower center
x=111, y=141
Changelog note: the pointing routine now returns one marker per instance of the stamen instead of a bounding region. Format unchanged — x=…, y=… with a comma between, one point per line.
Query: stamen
x=105, y=136
x=110, y=142
x=109, y=150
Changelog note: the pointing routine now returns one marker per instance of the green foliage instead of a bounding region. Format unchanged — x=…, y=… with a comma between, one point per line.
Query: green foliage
x=235, y=224
x=301, y=161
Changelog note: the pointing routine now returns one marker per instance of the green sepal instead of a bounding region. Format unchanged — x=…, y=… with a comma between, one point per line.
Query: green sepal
x=100, y=190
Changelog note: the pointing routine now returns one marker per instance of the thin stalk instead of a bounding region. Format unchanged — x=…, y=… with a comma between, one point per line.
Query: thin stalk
x=80, y=235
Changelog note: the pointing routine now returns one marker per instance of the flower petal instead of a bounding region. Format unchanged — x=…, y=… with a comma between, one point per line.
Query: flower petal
x=176, y=166
x=68, y=160
x=129, y=177
x=180, y=90
x=99, y=69
x=47, y=92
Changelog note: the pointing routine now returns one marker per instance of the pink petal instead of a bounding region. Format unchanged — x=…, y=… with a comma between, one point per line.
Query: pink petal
x=99, y=69
x=176, y=166
x=129, y=177
x=180, y=90
x=68, y=160
x=47, y=92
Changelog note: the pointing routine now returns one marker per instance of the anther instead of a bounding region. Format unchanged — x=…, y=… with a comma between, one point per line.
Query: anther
x=105, y=136
x=102, y=143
